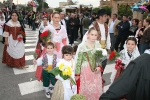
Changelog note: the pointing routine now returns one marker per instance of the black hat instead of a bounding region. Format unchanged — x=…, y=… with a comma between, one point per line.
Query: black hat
x=101, y=12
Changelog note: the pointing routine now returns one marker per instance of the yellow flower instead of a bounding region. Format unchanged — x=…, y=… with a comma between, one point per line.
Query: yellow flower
x=61, y=67
x=64, y=73
x=69, y=71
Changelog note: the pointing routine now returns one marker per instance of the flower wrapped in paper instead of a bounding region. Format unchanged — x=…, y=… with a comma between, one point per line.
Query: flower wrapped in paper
x=20, y=37
x=46, y=36
x=65, y=72
x=100, y=56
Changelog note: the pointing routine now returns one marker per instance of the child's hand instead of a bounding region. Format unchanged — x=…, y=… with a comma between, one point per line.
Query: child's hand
x=34, y=62
x=97, y=70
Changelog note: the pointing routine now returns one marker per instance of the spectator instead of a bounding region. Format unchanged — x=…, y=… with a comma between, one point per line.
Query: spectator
x=113, y=30
x=123, y=32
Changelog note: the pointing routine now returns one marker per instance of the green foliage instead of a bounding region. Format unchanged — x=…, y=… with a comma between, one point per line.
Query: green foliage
x=78, y=97
x=41, y=4
x=108, y=9
x=50, y=10
x=124, y=9
x=95, y=10
x=58, y=9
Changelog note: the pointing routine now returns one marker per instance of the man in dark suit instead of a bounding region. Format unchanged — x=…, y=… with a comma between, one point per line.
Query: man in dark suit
x=72, y=26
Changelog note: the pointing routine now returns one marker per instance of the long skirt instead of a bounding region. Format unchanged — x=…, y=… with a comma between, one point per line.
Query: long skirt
x=10, y=61
x=90, y=83
x=58, y=93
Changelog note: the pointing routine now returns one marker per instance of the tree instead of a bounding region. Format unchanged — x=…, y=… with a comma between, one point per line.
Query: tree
x=124, y=9
x=50, y=10
x=41, y=5
x=108, y=9
x=95, y=10
x=58, y=9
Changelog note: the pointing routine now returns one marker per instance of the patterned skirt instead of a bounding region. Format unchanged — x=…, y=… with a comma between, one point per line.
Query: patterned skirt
x=10, y=61
x=58, y=93
x=90, y=83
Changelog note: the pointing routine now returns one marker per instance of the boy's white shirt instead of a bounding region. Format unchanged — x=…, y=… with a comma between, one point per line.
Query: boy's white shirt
x=50, y=60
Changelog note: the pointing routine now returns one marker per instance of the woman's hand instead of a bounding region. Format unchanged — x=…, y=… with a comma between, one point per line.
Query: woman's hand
x=140, y=33
x=97, y=70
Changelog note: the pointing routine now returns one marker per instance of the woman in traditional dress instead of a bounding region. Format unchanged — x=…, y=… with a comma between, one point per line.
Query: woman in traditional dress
x=88, y=75
x=14, y=50
x=58, y=34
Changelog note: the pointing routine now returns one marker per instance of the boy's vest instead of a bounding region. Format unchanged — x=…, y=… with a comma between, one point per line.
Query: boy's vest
x=102, y=42
x=45, y=62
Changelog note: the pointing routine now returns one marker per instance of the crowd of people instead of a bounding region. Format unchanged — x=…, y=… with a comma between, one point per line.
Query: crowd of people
x=131, y=39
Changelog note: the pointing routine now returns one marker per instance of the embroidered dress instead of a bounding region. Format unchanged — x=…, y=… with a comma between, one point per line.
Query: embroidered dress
x=13, y=56
x=63, y=89
x=58, y=37
x=125, y=57
x=90, y=82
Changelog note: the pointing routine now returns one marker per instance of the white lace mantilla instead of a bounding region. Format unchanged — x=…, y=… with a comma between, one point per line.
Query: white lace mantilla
x=17, y=51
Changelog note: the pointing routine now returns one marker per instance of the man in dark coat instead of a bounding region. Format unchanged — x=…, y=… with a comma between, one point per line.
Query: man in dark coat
x=134, y=81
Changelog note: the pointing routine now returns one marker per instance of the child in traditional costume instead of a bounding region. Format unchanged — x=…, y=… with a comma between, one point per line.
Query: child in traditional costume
x=58, y=34
x=64, y=89
x=129, y=53
x=88, y=74
x=40, y=43
x=48, y=61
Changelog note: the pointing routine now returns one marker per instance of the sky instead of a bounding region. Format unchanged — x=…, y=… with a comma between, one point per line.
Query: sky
x=55, y=3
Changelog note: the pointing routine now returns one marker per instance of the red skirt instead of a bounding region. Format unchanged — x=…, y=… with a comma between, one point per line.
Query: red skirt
x=11, y=62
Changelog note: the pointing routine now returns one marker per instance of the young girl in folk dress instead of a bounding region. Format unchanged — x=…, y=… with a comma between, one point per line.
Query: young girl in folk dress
x=58, y=34
x=40, y=44
x=90, y=84
x=63, y=89
x=129, y=53
x=13, y=56
x=48, y=61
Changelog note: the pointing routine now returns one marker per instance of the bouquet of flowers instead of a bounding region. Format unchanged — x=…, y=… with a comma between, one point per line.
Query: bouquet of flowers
x=78, y=97
x=20, y=37
x=45, y=36
x=113, y=55
x=100, y=56
x=65, y=72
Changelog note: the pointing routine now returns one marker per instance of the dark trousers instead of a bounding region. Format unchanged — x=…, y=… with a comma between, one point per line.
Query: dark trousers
x=72, y=34
x=143, y=47
x=113, y=40
x=47, y=78
x=104, y=63
x=33, y=25
x=81, y=30
x=121, y=41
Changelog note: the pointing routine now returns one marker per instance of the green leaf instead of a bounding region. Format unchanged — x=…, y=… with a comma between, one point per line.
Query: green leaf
x=55, y=71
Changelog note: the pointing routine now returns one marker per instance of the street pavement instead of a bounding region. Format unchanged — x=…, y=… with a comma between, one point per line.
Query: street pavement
x=21, y=84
